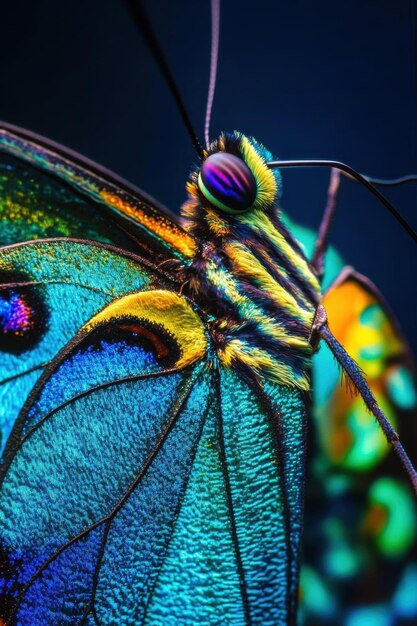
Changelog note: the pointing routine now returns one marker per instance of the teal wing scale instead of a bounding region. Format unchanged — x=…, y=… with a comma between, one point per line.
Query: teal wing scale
x=49, y=290
x=236, y=517
x=152, y=487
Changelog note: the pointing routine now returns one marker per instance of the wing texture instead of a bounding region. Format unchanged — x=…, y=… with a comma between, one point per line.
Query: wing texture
x=143, y=485
x=49, y=289
x=47, y=190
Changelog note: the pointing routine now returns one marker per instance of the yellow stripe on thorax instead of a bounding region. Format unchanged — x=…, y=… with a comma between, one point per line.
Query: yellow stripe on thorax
x=259, y=221
x=261, y=361
x=226, y=284
x=245, y=262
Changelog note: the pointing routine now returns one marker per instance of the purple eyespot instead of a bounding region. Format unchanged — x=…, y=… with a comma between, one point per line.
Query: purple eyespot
x=227, y=183
x=22, y=313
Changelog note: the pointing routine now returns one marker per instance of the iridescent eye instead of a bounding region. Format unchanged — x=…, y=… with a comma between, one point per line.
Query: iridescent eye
x=227, y=183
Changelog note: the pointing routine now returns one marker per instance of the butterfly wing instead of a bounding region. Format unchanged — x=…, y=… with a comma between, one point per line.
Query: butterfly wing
x=366, y=564
x=50, y=191
x=362, y=322
x=120, y=404
x=130, y=491
x=49, y=289
x=120, y=429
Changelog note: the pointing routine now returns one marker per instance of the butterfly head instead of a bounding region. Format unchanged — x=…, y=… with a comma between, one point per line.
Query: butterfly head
x=234, y=176
x=233, y=179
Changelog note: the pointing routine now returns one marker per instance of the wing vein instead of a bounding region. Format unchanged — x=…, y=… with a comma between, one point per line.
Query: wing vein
x=91, y=605
x=178, y=509
x=275, y=422
x=174, y=412
x=230, y=506
x=28, y=371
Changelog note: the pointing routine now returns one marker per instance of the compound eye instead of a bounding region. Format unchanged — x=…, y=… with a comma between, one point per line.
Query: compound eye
x=227, y=183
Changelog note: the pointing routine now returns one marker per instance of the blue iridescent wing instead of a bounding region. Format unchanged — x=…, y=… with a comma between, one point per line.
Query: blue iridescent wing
x=50, y=289
x=81, y=520
x=131, y=493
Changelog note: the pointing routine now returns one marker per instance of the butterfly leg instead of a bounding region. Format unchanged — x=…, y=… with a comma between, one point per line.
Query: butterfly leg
x=326, y=222
x=350, y=367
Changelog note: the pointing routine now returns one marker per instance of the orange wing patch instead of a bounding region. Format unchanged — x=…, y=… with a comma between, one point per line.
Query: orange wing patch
x=362, y=323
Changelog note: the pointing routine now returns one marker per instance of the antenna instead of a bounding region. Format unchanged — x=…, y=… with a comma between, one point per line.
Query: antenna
x=214, y=55
x=142, y=22
x=354, y=174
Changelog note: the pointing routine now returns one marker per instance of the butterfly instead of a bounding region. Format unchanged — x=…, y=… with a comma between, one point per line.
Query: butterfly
x=160, y=388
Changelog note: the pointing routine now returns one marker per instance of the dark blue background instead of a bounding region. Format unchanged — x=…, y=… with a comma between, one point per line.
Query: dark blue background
x=308, y=79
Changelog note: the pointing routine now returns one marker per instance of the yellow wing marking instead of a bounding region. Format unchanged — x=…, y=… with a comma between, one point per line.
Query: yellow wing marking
x=165, y=309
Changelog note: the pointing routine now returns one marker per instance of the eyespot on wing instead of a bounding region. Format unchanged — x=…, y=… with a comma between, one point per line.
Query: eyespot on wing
x=159, y=317
x=22, y=313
